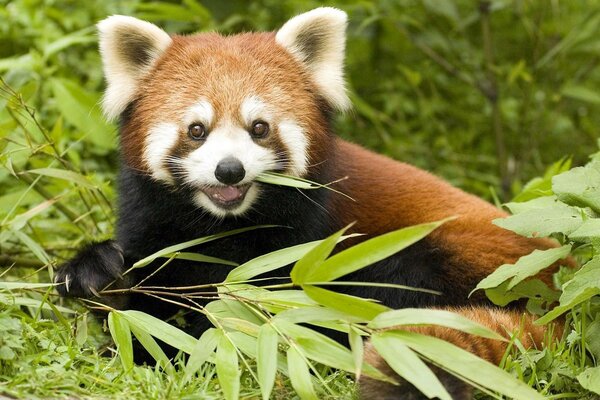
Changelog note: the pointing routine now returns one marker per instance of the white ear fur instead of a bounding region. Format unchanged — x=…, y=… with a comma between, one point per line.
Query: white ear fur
x=317, y=39
x=129, y=47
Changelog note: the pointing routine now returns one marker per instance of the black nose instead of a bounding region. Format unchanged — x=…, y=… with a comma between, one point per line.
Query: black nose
x=230, y=171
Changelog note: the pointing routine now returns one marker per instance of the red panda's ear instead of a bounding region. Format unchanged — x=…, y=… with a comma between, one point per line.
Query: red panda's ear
x=129, y=47
x=317, y=39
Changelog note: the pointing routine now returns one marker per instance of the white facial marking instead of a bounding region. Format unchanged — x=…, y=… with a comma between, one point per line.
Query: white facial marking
x=294, y=138
x=200, y=112
x=225, y=141
x=159, y=142
x=253, y=108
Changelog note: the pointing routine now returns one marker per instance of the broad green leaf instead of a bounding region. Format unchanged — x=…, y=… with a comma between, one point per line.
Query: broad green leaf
x=239, y=325
x=300, y=375
x=81, y=109
x=205, y=239
x=535, y=204
x=248, y=345
x=543, y=186
x=160, y=330
x=199, y=258
x=70, y=176
x=580, y=186
x=153, y=348
x=368, y=252
x=228, y=370
x=408, y=365
x=588, y=230
x=313, y=258
x=352, y=305
x=203, y=349
x=416, y=316
x=357, y=347
x=542, y=222
x=466, y=365
x=590, y=379
x=584, y=285
x=266, y=359
x=531, y=288
x=227, y=308
x=525, y=267
x=121, y=334
x=19, y=221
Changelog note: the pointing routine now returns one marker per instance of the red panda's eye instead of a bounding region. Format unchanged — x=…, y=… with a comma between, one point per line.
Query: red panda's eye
x=260, y=129
x=197, y=131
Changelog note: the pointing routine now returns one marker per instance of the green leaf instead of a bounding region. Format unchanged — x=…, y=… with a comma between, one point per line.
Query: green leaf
x=70, y=176
x=357, y=346
x=368, y=252
x=24, y=285
x=581, y=93
x=300, y=375
x=266, y=359
x=199, y=258
x=80, y=108
x=584, y=285
x=580, y=186
x=316, y=314
x=228, y=370
x=588, y=230
x=590, y=379
x=352, y=305
x=313, y=258
x=272, y=261
x=119, y=330
x=531, y=288
x=542, y=222
x=408, y=365
x=420, y=316
x=525, y=267
x=153, y=348
x=205, y=239
x=322, y=349
x=35, y=248
x=467, y=365
x=203, y=349
x=159, y=329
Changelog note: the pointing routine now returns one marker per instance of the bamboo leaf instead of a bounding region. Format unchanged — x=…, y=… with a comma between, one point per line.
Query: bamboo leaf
x=266, y=359
x=300, y=375
x=420, y=316
x=352, y=305
x=159, y=329
x=357, y=346
x=228, y=370
x=203, y=349
x=369, y=252
x=313, y=258
x=190, y=243
x=408, y=365
x=148, y=342
x=121, y=334
x=466, y=365
x=199, y=258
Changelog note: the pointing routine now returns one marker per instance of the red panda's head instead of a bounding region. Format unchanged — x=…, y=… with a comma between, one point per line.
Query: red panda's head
x=213, y=112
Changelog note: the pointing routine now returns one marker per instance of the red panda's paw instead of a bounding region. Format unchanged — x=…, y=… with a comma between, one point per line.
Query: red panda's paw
x=373, y=389
x=91, y=270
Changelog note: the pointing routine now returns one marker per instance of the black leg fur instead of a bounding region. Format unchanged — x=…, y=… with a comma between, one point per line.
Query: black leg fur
x=91, y=270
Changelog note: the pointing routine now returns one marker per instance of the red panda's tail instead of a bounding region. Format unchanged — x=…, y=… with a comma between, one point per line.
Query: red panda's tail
x=505, y=322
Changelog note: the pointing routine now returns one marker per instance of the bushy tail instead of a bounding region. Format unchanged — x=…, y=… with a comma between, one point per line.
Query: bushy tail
x=505, y=322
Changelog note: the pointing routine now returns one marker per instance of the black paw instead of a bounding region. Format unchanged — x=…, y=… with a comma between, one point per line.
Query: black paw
x=91, y=270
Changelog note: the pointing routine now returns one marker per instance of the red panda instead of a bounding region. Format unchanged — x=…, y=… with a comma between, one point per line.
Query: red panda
x=202, y=116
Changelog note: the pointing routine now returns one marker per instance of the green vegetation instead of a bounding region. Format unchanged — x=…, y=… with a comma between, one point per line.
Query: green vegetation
x=486, y=94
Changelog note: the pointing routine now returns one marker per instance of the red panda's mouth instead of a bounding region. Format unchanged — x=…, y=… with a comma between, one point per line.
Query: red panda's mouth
x=226, y=196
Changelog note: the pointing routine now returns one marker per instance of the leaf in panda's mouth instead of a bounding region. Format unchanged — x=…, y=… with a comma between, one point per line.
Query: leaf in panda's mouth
x=275, y=178
x=226, y=195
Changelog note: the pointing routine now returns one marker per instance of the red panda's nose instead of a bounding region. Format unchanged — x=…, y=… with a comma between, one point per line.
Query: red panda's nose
x=230, y=171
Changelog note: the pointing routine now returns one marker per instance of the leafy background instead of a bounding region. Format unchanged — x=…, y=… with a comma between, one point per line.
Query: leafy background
x=487, y=94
